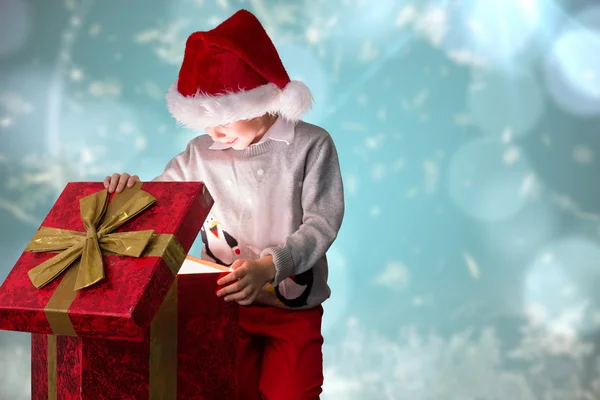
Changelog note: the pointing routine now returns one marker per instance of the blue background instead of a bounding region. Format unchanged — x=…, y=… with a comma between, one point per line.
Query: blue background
x=469, y=259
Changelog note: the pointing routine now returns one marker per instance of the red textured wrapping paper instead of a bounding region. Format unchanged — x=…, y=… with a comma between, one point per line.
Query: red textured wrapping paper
x=204, y=346
x=122, y=305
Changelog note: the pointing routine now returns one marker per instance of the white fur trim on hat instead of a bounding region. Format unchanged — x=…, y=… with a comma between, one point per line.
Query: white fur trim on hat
x=201, y=111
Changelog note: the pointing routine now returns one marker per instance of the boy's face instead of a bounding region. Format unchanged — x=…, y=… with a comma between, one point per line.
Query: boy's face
x=240, y=134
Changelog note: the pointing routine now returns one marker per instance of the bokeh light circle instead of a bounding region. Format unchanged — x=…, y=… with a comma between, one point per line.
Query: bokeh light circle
x=499, y=102
x=16, y=25
x=561, y=286
x=486, y=184
x=571, y=68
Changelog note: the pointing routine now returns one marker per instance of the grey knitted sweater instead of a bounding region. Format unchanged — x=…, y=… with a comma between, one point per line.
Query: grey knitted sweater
x=282, y=196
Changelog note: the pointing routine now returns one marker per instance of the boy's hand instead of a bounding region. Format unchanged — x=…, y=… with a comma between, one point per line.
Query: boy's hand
x=248, y=278
x=118, y=182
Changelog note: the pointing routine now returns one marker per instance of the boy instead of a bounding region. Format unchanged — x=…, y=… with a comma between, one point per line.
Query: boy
x=278, y=194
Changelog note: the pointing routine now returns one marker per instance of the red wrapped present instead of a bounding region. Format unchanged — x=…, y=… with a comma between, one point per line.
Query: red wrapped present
x=101, y=265
x=189, y=352
x=98, y=288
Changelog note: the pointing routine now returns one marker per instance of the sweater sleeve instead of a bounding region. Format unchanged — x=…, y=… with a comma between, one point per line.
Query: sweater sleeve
x=178, y=168
x=323, y=211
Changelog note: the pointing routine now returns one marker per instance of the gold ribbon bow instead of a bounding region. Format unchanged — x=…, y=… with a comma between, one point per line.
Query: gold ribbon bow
x=89, y=245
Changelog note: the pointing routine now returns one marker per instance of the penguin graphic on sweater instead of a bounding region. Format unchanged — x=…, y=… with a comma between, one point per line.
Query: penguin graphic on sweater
x=293, y=291
x=218, y=244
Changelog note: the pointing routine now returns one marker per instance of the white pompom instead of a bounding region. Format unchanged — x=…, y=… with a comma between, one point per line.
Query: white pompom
x=295, y=100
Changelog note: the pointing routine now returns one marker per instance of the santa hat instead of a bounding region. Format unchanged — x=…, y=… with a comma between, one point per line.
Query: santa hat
x=233, y=72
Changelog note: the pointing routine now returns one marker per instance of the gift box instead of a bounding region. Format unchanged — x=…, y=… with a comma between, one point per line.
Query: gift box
x=189, y=352
x=111, y=314
x=101, y=264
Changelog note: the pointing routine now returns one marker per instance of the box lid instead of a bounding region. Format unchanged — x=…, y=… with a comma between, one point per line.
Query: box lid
x=122, y=304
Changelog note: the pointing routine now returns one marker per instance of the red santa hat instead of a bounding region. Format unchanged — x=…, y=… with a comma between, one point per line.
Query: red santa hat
x=233, y=72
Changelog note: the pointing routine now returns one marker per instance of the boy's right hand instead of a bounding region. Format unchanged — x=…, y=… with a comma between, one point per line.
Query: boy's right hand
x=117, y=182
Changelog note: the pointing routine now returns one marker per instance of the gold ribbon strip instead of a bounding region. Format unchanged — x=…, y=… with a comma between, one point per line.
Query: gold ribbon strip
x=52, y=353
x=163, y=349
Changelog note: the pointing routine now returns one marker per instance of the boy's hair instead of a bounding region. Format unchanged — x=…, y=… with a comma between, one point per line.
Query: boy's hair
x=233, y=72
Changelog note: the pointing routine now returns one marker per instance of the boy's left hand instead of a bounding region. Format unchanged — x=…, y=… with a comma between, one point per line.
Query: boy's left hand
x=248, y=278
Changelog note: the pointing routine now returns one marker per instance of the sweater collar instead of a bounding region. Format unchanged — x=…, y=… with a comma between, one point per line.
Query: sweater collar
x=280, y=131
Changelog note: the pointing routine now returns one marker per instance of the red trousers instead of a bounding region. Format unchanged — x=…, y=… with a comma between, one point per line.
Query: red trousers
x=280, y=354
